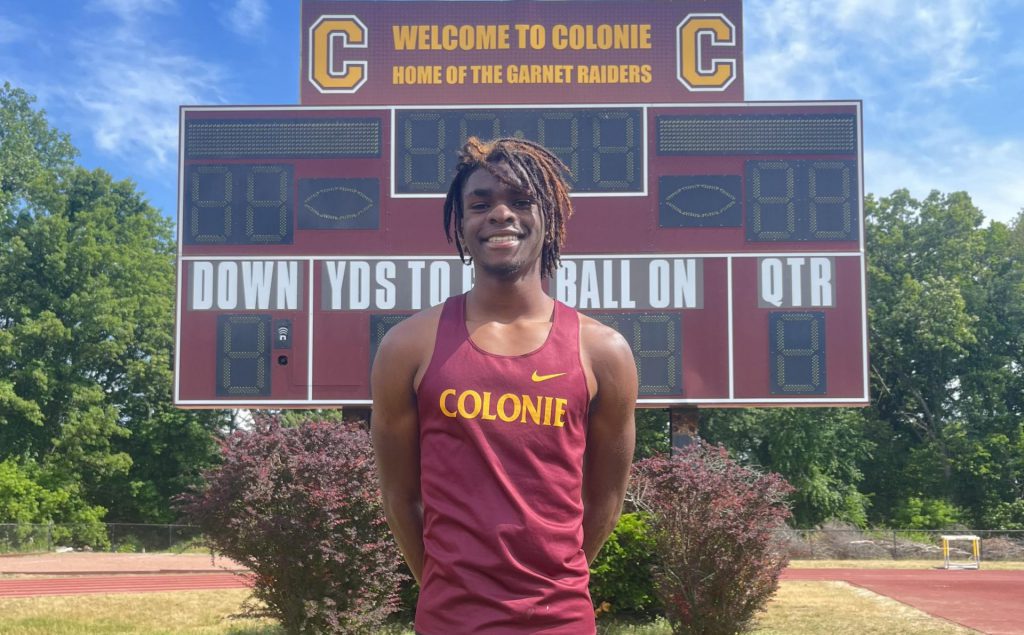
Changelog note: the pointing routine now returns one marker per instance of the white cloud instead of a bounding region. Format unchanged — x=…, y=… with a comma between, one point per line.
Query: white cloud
x=131, y=10
x=246, y=17
x=132, y=108
x=905, y=45
x=912, y=62
x=950, y=160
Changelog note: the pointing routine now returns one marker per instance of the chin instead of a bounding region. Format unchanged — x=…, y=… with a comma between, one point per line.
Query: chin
x=508, y=270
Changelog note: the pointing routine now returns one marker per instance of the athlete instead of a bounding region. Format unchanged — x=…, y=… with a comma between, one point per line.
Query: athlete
x=503, y=419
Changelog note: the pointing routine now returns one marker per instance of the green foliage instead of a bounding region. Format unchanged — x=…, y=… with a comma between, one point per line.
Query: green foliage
x=928, y=513
x=621, y=581
x=30, y=150
x=946, y=315
x=1007, y=515
x=25, y=500
x=297, y=417
x=86, y=329
x=818, y=451
x=653, y=436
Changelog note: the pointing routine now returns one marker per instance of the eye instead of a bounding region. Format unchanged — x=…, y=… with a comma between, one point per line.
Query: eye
x=523, y=203
x=479, y=206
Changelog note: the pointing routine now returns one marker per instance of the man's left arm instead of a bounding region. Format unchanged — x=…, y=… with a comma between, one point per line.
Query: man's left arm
x=611, y=434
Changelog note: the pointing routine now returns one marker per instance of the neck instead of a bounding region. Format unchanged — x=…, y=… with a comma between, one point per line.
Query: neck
x=506, y=300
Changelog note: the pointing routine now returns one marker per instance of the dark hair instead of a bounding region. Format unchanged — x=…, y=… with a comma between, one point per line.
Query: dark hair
x=534, y=170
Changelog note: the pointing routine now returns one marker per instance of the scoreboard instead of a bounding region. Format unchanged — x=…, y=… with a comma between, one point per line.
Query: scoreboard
x=723, y=239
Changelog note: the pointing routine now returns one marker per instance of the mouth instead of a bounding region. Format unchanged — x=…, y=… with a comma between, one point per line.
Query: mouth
x=503, y=239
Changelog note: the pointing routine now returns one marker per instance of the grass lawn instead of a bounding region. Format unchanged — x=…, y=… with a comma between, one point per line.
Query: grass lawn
x=151, y=613
x=837, y=608
x=799, y=608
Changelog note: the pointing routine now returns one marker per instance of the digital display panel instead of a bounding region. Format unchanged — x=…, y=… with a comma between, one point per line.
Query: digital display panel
x=239, y=204
x=602, y=148
x=723, y=239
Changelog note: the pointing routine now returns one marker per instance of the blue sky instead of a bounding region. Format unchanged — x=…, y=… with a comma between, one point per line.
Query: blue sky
x=942, y=80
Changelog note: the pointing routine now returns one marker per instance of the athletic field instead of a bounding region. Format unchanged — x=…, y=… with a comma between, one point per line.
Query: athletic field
x=191, y=593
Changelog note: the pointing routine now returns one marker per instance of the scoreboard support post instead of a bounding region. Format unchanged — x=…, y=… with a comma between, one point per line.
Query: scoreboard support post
x=684, y=423
x=355, y=414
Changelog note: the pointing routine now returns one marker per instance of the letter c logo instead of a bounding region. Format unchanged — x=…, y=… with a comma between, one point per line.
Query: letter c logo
x=325, y=32
x=691, y=35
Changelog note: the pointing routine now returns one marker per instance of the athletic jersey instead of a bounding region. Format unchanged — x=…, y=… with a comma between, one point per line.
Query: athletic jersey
x=501, y=472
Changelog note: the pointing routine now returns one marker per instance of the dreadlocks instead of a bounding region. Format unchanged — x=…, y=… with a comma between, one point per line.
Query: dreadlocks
x=534, y=170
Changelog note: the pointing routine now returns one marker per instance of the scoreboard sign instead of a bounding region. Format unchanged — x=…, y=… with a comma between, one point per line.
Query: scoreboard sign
x=521, y=52
x=723, y=240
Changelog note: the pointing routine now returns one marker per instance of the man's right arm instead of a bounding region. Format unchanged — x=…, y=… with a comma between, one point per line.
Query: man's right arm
x=395, y=432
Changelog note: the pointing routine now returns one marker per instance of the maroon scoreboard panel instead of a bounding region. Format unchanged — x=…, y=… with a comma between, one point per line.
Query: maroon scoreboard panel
x=520, y=52
x=725, y=241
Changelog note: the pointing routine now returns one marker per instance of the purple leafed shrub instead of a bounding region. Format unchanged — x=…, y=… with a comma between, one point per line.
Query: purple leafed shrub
x=713, y=522
x=300, y=507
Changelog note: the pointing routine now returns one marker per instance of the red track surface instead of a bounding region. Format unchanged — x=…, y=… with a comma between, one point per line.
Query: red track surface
x=989, y=601
x=26, y=587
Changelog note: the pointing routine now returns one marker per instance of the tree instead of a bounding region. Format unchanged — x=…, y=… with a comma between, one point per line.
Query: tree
x=818, y=451
x=945, y=316
x=25, y=499
x=30, y=149
x=86, y=324
x=652, y=433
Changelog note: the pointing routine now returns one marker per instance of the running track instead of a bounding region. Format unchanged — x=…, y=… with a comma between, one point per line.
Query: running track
x=26, y=587
x=988, y=601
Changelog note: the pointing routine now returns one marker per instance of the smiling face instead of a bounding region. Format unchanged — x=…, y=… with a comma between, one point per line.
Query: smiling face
x=502, y=226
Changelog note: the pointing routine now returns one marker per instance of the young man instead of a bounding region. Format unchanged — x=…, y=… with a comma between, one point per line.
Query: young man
x=502, y=419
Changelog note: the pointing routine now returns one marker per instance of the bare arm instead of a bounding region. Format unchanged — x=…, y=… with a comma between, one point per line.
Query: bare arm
x=611, y=436
x=395, y=433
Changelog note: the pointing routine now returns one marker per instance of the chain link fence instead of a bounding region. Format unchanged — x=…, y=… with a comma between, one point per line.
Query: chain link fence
x=113, y=537
x=898, y=544
x=847, y=543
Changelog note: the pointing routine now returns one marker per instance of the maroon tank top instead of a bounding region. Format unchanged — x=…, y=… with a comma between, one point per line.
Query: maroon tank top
x=501, y=472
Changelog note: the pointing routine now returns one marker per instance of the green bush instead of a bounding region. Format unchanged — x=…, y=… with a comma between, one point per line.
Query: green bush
x=621, y=581
x=1005, y=515
x=27, y=497
x=926, y=513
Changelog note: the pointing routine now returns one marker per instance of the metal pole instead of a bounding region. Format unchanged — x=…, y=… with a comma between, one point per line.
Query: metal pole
x=356, y=414
x=684, y=423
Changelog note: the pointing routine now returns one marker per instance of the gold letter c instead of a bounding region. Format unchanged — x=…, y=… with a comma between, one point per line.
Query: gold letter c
x=353, y=34
x=690, y=32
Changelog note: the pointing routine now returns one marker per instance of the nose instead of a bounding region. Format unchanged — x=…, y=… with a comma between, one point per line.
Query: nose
x=501, y=213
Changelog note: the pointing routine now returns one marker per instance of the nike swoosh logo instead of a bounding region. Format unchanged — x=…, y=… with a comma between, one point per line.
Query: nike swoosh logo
x=537, y=377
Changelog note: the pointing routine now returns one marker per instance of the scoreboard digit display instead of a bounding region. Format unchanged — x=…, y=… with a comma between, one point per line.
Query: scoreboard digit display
x=723, y=239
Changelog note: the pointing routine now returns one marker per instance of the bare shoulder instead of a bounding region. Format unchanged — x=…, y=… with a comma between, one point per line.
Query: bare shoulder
x=606, y=356
x=602, y=345
x=413, y=331
x=406, y=348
